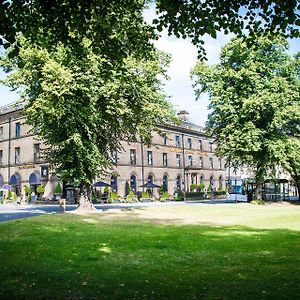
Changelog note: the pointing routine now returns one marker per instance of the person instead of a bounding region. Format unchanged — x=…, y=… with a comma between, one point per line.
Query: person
x=62, y=204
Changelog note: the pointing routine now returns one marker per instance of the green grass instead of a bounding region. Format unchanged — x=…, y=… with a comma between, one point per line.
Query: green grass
x=90, y=257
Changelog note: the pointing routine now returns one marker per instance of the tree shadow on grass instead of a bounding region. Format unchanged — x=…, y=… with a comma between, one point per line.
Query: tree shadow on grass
x=142, y=260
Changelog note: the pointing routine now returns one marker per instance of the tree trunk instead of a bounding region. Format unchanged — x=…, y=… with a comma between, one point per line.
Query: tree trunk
x=259, y=184
x=85, y=203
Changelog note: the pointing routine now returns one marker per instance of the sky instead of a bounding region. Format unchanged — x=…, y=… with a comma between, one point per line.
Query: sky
x=184, y=57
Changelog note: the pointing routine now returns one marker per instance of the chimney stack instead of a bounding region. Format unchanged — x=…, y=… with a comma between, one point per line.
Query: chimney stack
x=183, y=115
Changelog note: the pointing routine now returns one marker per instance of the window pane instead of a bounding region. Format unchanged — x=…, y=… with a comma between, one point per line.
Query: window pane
x=18, y=129
x=132, y=157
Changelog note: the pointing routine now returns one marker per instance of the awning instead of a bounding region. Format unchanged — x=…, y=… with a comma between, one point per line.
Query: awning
x=150, y=185
x=100, y=184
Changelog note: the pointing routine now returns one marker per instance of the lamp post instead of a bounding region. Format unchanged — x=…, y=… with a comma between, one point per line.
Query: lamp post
x=183, y=165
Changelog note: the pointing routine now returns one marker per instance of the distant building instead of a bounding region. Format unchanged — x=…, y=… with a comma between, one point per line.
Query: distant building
x=183, y=156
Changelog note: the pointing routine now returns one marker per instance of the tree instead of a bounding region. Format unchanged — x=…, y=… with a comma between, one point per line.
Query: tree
x=112, y=21
x=255, y=106
x=82, y=106
x=195, y=18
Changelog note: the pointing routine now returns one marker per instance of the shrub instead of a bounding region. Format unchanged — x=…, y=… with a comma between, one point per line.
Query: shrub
x=258, y=202
x=40, y=189
x=28, y=190
x=179, y=196
x=201, y=187
x=58, y=189
x=9, y=195
x=165, y=196
x=114, y=196
x=106, y=189
x=193, y=187
x=130, y=197
x=145, y=195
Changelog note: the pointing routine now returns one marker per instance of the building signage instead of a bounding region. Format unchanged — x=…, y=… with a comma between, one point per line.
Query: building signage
x=27, y=167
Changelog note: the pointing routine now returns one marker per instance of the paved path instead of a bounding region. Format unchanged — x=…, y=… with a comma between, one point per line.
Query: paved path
x=16, y=211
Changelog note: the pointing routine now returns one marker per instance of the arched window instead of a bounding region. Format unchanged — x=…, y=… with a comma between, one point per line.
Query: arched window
x=194, y=179
x=166, y=183
x=220, y=182
x=114, y=183
x=150, y=178
x=212, y=183
x=202, y=179
x=15, y=182
x=133, y=183
x=178, y=183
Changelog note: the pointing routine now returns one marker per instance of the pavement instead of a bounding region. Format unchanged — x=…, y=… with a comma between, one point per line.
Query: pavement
x=16, y=211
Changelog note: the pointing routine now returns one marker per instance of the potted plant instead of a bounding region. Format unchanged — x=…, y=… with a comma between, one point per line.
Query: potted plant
x=58, y=192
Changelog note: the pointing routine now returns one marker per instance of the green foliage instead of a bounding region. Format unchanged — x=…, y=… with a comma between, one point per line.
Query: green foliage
x=118, y=28
x=146, y=246
x=254, y=102
x=164, y=196
x=14, y=197
x=40, y=189
x=194, y=195
x=84, y=105
x=130, y=197
x=230, y=16
x=114, y=195
x=106, y=189
x=161, y=189
x=258, y=202
x=180, y=196
x=9, y=195
x=201, y=187
x=145, y=195
x=28, y=190
x=193, y=187
x=58, y=189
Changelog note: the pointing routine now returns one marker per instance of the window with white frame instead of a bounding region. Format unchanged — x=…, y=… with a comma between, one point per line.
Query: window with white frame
x=177, y=140
x=190, y=160
x=132, y=156
x=200, y=145
x=178, y=160
x=211, y=163
x=189, y=143
x=165, y=140
x=201, y=162
x=165, y=159
x=150, y=158
x=17, y=155
x=36, y=152
x=18, y=129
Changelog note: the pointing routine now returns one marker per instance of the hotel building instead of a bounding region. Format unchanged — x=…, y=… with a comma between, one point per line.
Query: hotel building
x=184, y=155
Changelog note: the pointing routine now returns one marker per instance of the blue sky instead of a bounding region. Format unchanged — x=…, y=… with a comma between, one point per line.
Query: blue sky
x=184, y=57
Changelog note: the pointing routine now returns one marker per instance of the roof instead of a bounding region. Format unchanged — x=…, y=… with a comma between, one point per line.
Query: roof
x=11, y=107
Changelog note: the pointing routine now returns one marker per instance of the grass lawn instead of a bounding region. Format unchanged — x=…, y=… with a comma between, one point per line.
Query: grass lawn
x=193, y=252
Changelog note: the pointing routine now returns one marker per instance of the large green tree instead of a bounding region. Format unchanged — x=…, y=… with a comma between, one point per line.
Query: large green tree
x=82, y=109
x=89, y=76
x=98, y=19
x=255, y=105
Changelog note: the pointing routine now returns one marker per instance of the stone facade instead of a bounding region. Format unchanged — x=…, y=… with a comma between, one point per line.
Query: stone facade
x=183, y=156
